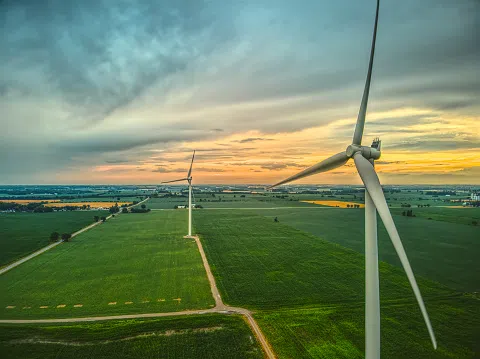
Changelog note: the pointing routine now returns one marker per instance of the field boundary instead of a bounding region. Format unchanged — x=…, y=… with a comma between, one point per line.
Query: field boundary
x=220, y=308
x=52, y=245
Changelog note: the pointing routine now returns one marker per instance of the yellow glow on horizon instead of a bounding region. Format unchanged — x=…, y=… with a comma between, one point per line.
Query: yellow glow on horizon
x=255, y=157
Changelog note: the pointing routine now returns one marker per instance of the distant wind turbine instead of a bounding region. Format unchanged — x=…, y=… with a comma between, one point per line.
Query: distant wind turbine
x=189, y=179
x=374, y=201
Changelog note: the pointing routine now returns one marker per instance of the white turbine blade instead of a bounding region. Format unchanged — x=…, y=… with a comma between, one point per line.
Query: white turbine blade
x=372, y=184
x=326, y=165
x=357, y=137
x=177, y=180
x=191, y=164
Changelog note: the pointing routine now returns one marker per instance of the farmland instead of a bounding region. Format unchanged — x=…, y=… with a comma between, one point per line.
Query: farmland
x=338, y=331
x=341, y=204
x=208, y=336
x=96, y=204
x=133, y=263
x=26, y=201
x=306, y=290
x=262, y=264
x=428, y=242
x=226, y=200
x=23, y=233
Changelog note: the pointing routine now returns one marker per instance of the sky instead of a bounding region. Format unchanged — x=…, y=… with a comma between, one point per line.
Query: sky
x=122, y=92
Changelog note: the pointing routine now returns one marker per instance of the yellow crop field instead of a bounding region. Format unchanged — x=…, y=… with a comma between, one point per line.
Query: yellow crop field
x=340, y=204
x=92, y=204
x=25, y=201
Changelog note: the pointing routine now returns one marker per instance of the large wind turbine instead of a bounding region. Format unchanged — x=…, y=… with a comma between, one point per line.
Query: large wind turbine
x=374, y=201
x=189, y=179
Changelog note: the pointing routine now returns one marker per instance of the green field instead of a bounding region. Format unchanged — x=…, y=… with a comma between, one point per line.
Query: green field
x=443, y=251
x=226, y=200
x=444, y=214
x=262, y=264
x=112, y=199
x=338, y=331
x=137, y=258
x=23, y=233
x=195, y=337
x=309, y=293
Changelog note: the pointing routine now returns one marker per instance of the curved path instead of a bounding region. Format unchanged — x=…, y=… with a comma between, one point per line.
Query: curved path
x=220, y=307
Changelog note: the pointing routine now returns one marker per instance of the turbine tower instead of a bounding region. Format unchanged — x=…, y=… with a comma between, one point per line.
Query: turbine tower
x=364, y=158
x=189, y=180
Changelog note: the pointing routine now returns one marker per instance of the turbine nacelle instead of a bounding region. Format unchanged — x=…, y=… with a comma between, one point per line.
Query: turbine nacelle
x=370, y=153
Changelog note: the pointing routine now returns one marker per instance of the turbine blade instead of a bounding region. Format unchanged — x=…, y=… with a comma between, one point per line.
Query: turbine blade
x=357, y=137
x=372, y=184
x=191, y=164
x=177, y=180
x=326, y=165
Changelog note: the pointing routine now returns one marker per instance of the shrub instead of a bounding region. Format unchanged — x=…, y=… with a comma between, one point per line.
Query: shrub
x=54, y=236
x=66, y=237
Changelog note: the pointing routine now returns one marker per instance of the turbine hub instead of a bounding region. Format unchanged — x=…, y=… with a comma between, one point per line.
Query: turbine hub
x=367, y=152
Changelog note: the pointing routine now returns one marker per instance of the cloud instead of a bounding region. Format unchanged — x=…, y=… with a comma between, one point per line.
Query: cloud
x=278, y=166
x=253, y=139
x=164, y=75
x=169, y=170
x=207, y=169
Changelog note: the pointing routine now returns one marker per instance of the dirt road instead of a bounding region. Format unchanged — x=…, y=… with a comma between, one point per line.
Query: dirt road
x=220, y=307
x=50, y=246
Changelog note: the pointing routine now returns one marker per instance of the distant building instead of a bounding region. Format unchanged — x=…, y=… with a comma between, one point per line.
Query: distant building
x=475, y=197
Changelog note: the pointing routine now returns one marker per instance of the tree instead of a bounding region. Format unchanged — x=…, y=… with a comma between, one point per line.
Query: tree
x=474, y=223
x=276, y=219
x=114, y=209
x=96, y=218
x=124, y=210
x=103, y=219
x=54, y=236
x=66, y=237
x=143, y=206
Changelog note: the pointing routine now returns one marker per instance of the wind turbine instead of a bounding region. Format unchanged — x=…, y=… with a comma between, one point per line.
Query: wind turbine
x=189, y=179
x=364, y=157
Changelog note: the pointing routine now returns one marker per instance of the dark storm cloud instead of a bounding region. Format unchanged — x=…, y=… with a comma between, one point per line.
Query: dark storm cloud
x=100, y=54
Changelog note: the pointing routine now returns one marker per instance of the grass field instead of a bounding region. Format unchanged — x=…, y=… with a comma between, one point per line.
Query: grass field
x=262, y=264
x=466, y=215
x=338, y=331
x=195, y=337
x=226, y=201
x=309, y=293
x=443, y=251
x=140, y=262
x=23, y=233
